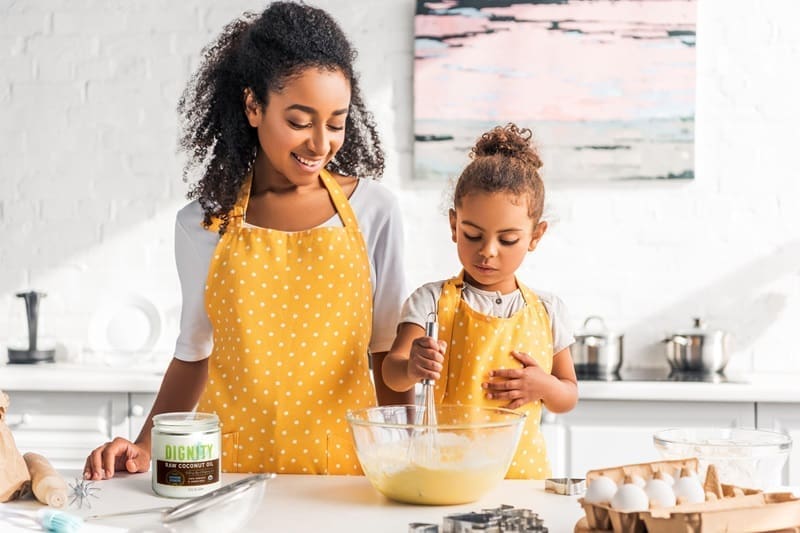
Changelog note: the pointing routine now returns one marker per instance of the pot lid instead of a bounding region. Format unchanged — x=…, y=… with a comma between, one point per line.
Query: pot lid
x=699, y=329
x=594, y=330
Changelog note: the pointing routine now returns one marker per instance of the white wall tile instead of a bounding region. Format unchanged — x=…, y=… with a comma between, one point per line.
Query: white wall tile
x=90, y=179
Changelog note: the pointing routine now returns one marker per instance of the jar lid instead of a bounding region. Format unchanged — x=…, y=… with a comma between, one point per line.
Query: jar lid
x=186, y=421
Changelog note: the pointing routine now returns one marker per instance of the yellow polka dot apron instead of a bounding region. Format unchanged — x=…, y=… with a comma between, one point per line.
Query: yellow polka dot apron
x=478, y=343
x=292, y=319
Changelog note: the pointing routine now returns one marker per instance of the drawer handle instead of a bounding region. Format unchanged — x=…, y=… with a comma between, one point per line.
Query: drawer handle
x=137, y=410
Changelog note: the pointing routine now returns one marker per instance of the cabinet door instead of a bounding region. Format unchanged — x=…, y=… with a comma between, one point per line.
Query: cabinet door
x=64, y=426
x=555, y=437
x=784, y=417
x=140, y=405
x=604, y=433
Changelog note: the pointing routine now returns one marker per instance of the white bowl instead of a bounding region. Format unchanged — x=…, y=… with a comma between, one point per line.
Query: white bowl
x=751, y=458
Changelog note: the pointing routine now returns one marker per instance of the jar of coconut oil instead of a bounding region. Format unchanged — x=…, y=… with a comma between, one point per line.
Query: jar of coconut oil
x=185, y=452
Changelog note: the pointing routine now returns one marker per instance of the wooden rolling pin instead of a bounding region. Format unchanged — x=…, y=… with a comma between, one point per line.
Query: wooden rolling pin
x=48, y=487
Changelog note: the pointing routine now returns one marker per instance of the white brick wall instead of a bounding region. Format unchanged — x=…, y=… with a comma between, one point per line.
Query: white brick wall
x=90, y=180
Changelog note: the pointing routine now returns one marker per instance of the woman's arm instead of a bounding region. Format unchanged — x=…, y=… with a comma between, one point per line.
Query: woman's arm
x=180, y=390
x=385, y=394
x=183, y=383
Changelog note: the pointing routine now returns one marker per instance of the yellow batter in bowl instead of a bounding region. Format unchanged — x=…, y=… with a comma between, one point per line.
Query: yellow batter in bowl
x=456, y=462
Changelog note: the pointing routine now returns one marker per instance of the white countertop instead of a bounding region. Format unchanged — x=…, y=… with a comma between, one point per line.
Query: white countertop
x=79, y=378
x=327, y=503
x=758, y=387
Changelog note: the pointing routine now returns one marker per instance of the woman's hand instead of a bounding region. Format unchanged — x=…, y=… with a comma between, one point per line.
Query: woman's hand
x=116, y=455
x=518, y=385
x=425, y=359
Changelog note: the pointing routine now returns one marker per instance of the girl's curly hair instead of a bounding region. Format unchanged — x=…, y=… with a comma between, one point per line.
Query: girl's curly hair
x=503, y=160
x=262, y=52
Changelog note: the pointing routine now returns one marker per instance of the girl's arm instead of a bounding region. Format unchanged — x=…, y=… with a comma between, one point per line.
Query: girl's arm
x=519, y=386
x=413, y=357
x=562, y=395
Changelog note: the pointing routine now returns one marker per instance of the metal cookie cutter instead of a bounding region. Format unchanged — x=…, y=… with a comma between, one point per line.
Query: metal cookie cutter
x=421, y=527
x=505, y=518
x=568, y=486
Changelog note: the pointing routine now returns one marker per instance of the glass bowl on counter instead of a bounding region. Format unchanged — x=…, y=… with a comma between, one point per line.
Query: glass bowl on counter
x=750, y=458
x=456, y=461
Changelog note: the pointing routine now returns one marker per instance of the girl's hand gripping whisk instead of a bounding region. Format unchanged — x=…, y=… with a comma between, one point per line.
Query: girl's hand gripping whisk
x=428, y=410
x=425, y=362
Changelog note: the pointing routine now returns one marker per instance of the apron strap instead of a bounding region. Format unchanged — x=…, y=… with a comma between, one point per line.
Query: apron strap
x=446, y=316
x=339, y=199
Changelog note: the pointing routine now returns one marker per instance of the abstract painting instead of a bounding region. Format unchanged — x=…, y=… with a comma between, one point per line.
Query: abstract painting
x=606, y=86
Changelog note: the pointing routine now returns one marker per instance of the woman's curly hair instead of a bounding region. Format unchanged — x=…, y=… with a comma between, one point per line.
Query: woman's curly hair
x=503, y=160
x=262, y=52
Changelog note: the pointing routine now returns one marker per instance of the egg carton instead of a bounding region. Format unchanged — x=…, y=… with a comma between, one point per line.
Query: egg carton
x=727, y=507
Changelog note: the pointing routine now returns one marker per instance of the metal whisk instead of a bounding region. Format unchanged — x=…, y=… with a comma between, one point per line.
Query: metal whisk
x=422, y=443
x=428, y=410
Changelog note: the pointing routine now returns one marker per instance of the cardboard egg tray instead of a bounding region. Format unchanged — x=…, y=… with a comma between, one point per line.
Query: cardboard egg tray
x=727, y=507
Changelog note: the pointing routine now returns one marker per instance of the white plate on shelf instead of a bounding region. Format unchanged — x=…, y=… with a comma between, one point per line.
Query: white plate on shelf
x=125, y=325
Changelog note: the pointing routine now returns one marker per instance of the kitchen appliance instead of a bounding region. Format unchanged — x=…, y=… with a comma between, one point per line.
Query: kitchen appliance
x=698, y=349
x=470, y=455
x=31, y=353
x=751, y=458
x=662, y=374
x=597, y=351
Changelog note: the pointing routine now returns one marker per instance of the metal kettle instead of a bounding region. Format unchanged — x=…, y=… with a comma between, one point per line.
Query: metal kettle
x=698, y=350
x=32, y=353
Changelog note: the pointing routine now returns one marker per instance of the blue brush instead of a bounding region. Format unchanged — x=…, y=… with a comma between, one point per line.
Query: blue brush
x=49, y=519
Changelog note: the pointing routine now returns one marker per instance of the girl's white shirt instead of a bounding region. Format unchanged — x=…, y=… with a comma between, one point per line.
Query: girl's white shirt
x=425, y=299
x=380, y=222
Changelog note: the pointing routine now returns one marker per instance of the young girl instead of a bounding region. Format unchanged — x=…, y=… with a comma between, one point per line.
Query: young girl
x=500, y=344
x=289, y=266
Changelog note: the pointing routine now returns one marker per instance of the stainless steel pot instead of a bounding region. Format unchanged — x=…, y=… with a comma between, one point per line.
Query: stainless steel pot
x=698, y=349
x=597, y=351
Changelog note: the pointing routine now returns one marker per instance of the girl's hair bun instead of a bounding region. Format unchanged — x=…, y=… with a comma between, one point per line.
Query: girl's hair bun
x=509, y=141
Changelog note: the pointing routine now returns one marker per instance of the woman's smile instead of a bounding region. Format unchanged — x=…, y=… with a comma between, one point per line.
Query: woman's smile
x=311, y=165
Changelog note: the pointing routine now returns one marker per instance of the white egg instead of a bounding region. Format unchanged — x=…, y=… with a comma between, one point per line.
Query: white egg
x=630, y=497
x=637, y=480
x=689, y=489
x=600, y=490
x=668, y=478
x=660, y=493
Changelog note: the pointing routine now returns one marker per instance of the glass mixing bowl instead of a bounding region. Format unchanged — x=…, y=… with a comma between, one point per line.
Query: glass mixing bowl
x=751, y=458
x=457, y=461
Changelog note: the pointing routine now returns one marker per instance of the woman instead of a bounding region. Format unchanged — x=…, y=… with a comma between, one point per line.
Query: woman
x=289, y=266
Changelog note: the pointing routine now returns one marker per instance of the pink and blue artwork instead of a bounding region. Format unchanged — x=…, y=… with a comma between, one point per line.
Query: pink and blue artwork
x=606, y=86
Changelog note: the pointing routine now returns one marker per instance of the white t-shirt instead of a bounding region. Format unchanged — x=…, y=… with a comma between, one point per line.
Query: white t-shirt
x=380, y=221
x=424, y=300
